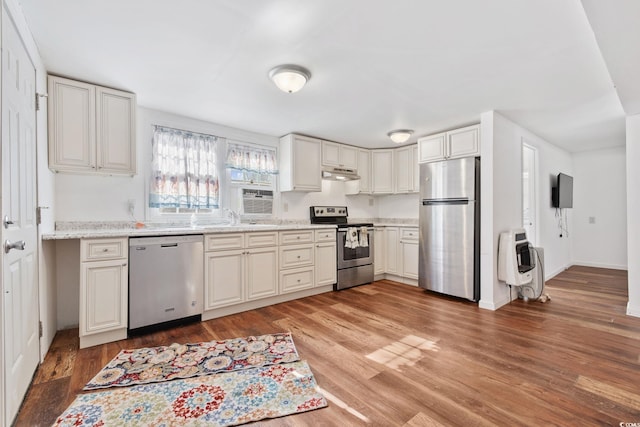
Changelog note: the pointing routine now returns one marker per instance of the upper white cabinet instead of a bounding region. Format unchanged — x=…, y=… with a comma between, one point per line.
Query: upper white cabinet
x=91, y=128
x=405, y=170
x=382, y=171
x=300, y=168
x=463, y=142
x=339, y=155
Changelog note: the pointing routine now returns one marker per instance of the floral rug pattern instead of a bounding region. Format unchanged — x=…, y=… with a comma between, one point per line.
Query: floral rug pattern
x=156, y=364
x=223, y=399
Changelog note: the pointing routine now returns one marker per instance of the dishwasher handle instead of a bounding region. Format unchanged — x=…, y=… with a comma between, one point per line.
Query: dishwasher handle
x=169, y=245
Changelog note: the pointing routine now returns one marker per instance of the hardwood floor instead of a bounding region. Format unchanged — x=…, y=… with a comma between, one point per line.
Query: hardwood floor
x=392, y=355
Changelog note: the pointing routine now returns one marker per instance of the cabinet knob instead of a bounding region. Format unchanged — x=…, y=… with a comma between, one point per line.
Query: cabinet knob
x=105, y=250
x=298, y=280
x=124, y=264
x=298, y=237
x=298, y=256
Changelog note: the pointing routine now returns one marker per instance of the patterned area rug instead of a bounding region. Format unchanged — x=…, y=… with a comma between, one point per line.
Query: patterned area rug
x=156, y=364
x=216, y=400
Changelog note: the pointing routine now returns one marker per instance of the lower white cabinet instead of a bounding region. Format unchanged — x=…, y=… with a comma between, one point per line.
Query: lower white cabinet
x=296, y=279
x=409, y=252
x=401, y=254
x=378, y=251
x=104, y=288
x=247, y=272
x=326, y=263
x=391, y=250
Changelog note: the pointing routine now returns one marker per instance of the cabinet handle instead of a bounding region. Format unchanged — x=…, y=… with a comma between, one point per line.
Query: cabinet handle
x=298, y=237
x=105, y=250
x=124, y=264
x=298, y=256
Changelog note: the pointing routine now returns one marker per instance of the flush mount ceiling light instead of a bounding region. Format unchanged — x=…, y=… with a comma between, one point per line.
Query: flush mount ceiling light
x=400, y=135
x=289, y=78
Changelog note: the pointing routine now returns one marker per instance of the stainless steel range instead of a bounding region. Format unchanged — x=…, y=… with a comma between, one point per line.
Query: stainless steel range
x=354, y=245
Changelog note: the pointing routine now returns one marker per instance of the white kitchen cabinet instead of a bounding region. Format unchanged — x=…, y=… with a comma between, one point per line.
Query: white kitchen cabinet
x=382, y=171
x=416, y=169
x=300, y=163
x=463, y=142
x=296, y=260
x=326, y=263
x=240, y=267
x=391, y=250
x=224, y=278
x=409, y=252
x=362, y=185
x=91, y=128
x=403, y=163
x=378, y=251
x=104, y=276
x=262, y=272
x=339, y=155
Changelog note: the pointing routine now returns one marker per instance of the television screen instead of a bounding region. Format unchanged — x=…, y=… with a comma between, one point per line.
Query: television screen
x=562, y=194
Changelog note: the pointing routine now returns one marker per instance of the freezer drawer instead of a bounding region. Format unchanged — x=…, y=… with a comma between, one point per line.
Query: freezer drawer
x=166, y=279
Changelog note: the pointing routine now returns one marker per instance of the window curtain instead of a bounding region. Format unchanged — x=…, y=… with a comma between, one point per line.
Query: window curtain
x=248, y=158
x=183, y=170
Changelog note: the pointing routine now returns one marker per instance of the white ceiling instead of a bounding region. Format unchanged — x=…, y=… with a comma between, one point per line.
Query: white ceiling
x=427, y=65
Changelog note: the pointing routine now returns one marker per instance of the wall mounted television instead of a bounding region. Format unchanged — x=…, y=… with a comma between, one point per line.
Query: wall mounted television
x=562, y=193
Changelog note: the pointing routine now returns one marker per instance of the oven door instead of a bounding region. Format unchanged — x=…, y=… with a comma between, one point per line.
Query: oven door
x=354, y=257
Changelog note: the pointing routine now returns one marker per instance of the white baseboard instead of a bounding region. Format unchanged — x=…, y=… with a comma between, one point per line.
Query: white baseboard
x=599, y=265
x=633, y=310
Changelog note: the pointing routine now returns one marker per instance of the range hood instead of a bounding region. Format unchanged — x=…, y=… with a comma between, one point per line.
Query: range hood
x=339, y=174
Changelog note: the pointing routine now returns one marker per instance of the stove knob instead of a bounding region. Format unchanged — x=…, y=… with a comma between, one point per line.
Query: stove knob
x=321, y=211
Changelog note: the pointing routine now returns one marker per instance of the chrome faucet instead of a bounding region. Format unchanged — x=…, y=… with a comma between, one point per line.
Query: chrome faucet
x=234, y=216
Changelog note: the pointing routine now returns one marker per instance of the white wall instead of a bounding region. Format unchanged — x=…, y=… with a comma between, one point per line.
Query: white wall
x=600, y=192
x=501, y=200
x=633, y=213
x=399, y=206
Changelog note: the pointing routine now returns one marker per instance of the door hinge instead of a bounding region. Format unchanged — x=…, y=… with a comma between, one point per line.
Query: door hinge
x=39, y=214
x=38, y=96
x=40, y=328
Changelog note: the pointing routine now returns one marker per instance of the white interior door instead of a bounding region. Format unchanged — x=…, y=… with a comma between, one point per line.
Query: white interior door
x=20, y=314
x=529, y=193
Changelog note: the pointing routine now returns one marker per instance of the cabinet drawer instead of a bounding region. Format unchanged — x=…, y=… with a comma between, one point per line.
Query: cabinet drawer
x=262, y=239
x=296, y=256
x=224, y=241
x=295, y=237
x=325, y=235
x=409, y=234
x=102, y=249
x=295, y=280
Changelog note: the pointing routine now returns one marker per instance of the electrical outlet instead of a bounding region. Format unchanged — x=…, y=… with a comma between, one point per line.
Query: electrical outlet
x=592, y=220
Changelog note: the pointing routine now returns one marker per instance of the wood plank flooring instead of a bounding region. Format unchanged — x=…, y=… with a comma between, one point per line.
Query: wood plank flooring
x=388, y=354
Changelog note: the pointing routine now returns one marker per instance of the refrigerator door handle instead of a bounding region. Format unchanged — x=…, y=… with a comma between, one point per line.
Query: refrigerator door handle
x=439, y=202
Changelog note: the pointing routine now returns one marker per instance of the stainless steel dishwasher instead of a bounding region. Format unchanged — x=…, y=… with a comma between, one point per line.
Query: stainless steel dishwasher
x=166, y=279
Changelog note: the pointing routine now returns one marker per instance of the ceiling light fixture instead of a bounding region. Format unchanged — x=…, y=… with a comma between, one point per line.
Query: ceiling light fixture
x=400, y=135
x=289, y=78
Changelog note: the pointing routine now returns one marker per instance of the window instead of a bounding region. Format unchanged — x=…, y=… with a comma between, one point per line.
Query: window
x=184, y=177
x=251, y=164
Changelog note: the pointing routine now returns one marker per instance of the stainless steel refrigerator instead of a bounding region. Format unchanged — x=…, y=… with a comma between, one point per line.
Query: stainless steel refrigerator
x=450, y=227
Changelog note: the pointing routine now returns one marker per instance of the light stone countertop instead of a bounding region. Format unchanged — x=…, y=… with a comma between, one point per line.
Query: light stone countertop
x=84, y=233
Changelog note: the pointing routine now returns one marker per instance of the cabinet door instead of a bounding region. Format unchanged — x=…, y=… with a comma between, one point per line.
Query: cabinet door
x=262, y=273
x=382, y=171
x=330, y=154
x=404, y=169
x=72, y=121
x=307, y=173
x=348, y=157
x=103, y=296
x=391, y=250
x=224, y=278
x=364, y=170
x=464, y=142
x=326, y=263
x=378, y=251
x=115, y=131
x=432, y=148
x=409, y=241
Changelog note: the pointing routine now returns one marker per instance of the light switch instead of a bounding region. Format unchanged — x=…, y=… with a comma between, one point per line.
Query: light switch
x=592, y=220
